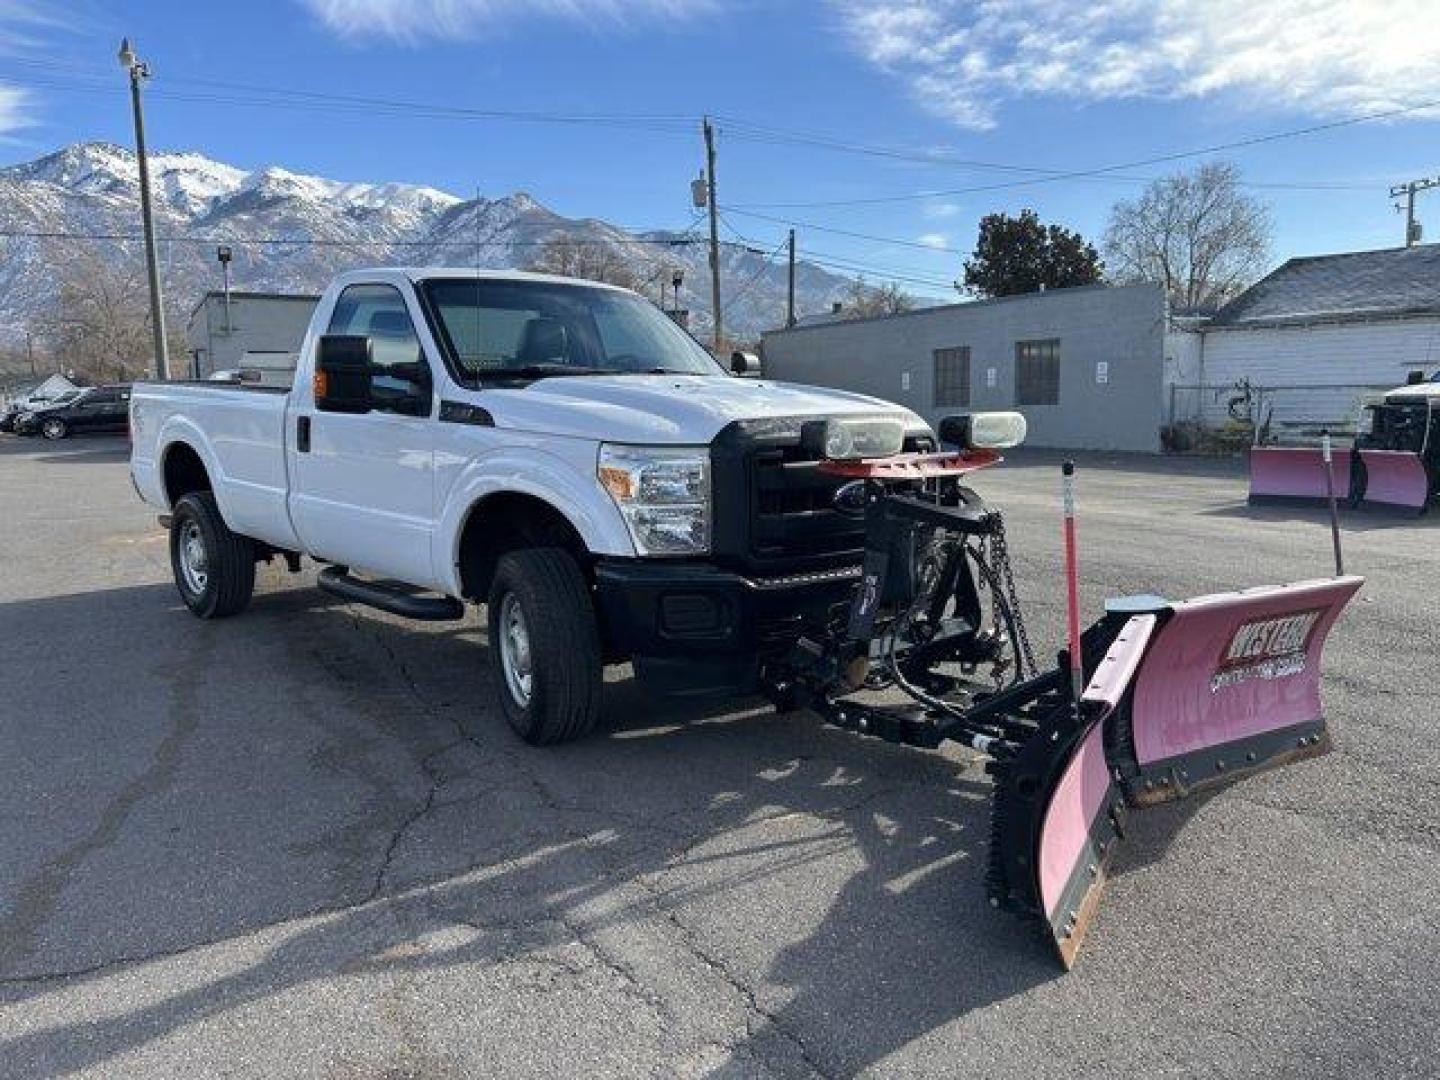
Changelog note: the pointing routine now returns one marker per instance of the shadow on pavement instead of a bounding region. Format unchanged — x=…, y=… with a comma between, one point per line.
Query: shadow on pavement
x=80, y=448
x=674, y=817
x=1359, y=521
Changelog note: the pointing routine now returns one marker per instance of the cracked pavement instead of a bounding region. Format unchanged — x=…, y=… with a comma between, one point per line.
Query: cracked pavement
x=265, y=846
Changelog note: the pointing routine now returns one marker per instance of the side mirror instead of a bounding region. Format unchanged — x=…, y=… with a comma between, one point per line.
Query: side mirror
x=743, y=363
x=341, y=382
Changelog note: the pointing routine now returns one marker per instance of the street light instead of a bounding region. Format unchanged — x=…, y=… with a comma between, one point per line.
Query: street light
x=223, y=254
x=138, y=70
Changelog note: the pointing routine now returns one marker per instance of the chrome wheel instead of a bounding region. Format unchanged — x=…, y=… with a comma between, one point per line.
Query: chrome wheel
x=194, y=560
x=515, y=650
x=53, y=429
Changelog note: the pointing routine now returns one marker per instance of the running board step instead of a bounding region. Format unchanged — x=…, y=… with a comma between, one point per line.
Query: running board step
x=389, y=596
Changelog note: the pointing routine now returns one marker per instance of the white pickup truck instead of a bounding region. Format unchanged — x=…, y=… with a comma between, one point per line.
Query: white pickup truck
x=557, y=450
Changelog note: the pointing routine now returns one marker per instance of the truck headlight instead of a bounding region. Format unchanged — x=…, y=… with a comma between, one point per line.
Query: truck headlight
x=663, y=493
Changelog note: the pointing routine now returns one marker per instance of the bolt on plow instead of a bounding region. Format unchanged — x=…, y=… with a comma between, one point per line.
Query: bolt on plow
x=1154, y=701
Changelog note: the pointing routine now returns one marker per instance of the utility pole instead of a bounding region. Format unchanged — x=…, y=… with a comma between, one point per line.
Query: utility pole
x=30, y=350
x=790, y=302
x=1412, y=227
x=138, y=70
x=714, y=230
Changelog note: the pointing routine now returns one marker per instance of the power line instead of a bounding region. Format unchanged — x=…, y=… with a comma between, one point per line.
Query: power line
x=844, y=263
x=848, y=266
x=938, y=193
x=311, y=241
x=282, y=97
x=675, y=123
x=1051, y=175
x=754, y=278
x=895, y=241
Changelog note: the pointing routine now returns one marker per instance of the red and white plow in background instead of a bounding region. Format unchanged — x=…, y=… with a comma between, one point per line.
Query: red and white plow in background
x=1394, y=465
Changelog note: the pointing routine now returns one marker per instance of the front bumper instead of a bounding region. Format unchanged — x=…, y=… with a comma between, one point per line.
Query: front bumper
x=693, y=627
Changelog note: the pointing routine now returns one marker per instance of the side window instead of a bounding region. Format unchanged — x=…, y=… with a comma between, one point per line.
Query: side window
x=952, y=378
x=378, y=312
x=1037, y=372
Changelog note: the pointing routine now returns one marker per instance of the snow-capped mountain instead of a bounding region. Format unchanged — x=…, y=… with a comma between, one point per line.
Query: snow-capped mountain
x=291, y=232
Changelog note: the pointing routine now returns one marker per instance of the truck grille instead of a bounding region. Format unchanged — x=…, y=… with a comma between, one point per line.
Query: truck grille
x=774, y=512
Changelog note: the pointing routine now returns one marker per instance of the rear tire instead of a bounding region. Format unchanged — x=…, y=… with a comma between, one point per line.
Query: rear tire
x=214, y=568
x=544, y=646
x=54, y=428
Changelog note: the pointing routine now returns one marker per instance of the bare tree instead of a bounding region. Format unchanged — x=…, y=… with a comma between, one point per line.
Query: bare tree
x=1195, y=234
x=99, y=325
x=570, y=257
x=864, y=301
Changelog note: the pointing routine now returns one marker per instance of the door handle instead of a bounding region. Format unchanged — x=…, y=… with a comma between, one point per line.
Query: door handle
x=302, y=434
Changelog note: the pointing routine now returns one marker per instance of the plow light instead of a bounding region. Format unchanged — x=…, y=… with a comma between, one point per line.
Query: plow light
x=853, y=439
x=983, y=430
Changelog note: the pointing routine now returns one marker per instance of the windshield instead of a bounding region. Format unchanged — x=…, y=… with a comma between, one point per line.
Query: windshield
x=495, y=329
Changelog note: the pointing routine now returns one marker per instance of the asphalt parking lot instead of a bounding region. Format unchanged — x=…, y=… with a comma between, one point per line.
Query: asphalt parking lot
x=262, y=846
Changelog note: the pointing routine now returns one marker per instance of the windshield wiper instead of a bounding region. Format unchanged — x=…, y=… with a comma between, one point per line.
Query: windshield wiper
x=537, y=371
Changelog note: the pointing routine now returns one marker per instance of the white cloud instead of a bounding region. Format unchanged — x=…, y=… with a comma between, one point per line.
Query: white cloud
x=939, y=211
x=963, y=59
x=19, y=22
x=933, y=239
x=14, y=111
x=416, y=20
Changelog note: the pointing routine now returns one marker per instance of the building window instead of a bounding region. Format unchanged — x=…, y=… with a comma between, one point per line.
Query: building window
x=1037, y=372
x=952, y=378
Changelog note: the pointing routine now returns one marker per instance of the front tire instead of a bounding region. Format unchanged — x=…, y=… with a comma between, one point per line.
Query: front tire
x=54, y=428
x=544, y=646
x=214, y=568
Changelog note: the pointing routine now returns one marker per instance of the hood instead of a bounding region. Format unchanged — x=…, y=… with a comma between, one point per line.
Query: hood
x=681, y=409
x=1417, y=393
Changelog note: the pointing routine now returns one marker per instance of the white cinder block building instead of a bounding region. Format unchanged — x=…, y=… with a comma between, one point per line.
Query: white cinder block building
x=1314, y=333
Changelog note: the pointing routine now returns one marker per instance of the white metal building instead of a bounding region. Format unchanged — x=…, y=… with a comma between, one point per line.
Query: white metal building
x=248, y=330
x=1314, y=335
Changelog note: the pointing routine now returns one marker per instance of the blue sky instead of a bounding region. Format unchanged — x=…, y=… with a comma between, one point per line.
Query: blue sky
x=924, y=95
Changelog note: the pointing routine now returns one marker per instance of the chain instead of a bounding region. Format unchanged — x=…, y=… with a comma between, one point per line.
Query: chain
x=998, y=555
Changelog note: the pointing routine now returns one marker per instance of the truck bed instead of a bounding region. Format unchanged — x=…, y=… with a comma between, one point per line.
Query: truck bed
x=238, y=431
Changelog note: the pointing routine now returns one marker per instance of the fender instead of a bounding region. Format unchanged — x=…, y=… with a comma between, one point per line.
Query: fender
x=253, y=509
x=181, y=429
x=555, y=480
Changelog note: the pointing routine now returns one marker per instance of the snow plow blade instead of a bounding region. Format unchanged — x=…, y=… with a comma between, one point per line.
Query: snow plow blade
x=1294, y=474
x=1395, y=480
x=1188, y=696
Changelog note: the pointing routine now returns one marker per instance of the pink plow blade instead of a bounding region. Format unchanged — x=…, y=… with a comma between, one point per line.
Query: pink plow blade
x=1230, y=685
x=1078, y=830
x=1395, y=479
x=1292, y=473
x=1197, y=693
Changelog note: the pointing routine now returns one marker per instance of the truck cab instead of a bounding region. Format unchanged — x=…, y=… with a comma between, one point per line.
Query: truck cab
x=557, y=450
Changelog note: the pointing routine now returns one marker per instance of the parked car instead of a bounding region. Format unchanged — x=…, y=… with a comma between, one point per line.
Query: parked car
x=12, y=412
x=100, y=409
